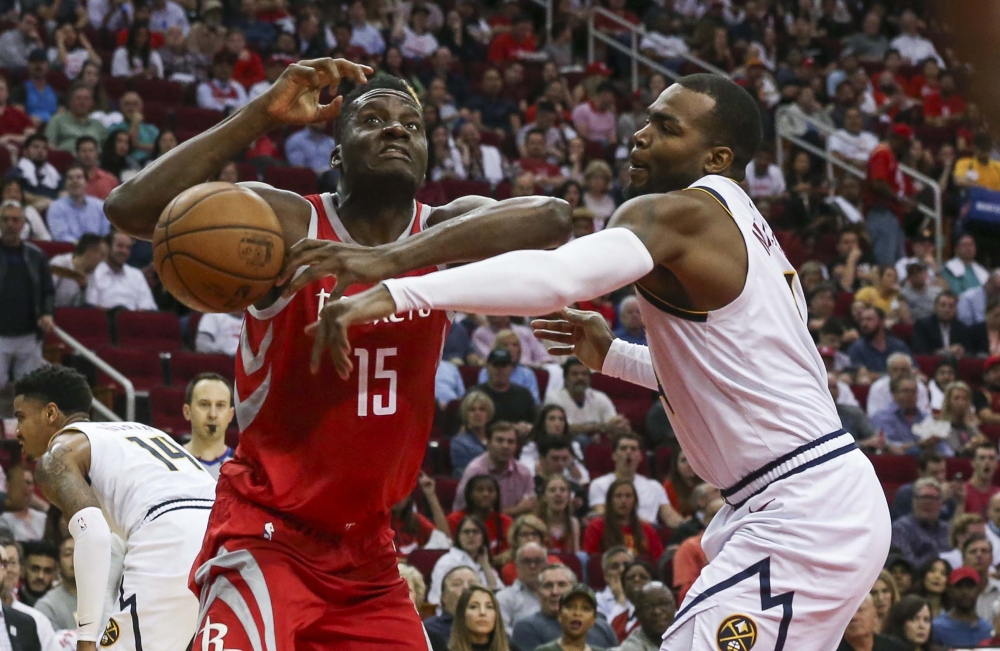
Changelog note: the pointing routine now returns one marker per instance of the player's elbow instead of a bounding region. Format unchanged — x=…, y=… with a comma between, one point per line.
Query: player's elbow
x=124, y=213
x=557, y=217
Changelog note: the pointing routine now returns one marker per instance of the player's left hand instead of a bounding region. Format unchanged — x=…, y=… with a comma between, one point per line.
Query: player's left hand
x=86, y=646
x=349, y=263
x=330, y=331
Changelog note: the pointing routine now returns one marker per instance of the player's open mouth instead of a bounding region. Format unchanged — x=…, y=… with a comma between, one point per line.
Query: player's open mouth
x=393, y=151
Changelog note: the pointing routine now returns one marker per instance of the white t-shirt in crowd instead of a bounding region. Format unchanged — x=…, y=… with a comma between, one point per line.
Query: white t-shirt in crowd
x=219, y=333
x=766, y=185
x=126, y=288
x=856, y=147
x=651, y=494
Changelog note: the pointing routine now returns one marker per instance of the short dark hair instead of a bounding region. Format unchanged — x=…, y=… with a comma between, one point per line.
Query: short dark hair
x=87, y=242
x=85, y=139
x=570, y=363
x=40, y=548
x=75, y=166
x=735, y=120
x=974, y=538
x=607, y=87
x=388, y=82
x=545, y=106
x=833, y=326
x=626, y=435
x=189, y=391
x=549, y=442
x=64, y=386
x=947, y=294
x=343, y=24
x=35, y=137
x=928, y=457
x=535, y=132
x=498, y=426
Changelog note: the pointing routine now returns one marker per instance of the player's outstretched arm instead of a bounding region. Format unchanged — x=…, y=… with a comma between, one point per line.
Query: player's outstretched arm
x=135, y=206
x=465, y=230
x=61, y=473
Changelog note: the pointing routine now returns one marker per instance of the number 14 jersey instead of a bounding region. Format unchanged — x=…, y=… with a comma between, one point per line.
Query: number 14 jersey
x=330, y=452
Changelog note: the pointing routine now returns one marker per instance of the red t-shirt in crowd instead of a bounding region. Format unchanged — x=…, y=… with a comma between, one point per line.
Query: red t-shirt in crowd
x=884, y=166
x=498, y=539
x=406, y=542
x=922, y=89
x=249, y=69
x=594, y=533
x=505, y=48
x=541, y=168
x=976, y=501
x=13, y=121
x=937, y=106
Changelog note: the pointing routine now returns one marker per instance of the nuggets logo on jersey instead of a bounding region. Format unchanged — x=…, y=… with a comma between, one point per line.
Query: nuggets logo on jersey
x=111, y=633
x=737, y=633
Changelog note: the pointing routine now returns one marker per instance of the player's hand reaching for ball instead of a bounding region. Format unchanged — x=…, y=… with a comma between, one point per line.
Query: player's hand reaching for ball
x=295, y=97
x=583, y=334
x=350, y=264
x=330, y=331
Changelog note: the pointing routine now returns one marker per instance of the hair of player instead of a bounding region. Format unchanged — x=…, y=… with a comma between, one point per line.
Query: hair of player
x=482, y=529
x=40, y=548
x=388, y=82
x=614, y=524
x=66, y=387
x=461, y=636
x=551, y=442
x=734, y=121
x=189, y=391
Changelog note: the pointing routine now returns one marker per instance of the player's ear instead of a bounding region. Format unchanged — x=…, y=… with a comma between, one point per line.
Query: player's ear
x=719, y=160
x=336, y=160
x=186, y=410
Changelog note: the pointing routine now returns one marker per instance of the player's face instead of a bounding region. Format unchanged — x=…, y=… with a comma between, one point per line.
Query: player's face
x=35, y=424
x=623, y=501
x=384, y=139
x=577, y=617
x=672, y=150
x=210, y=411
x=480, y=614
x=918, y=629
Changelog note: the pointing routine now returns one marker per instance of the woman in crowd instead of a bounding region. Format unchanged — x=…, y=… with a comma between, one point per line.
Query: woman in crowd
x=471, y=548
x=477, y=411
x=956, y=424
x=415, y=583
x=115, y=155
x=90, y=76
x=34, y=226
x=885, y=595
x=909, y=624
x=884, y=294
x=229, y=173
x=392, y=64
x=963, y=526
x=72, y=50
x=932, y=585
x=635, y=577
x=414, y=531
x=478, y=625
x=136, y=58
x=986, y=334
x=482, y=500
x=555, y=509
x=444, y=161
x=803, y=185
x=527, y=528
x=620, y=525
x=571, y=193
x=597, y=178
x=944, y=374
x=679, y=484
x=822, y=302
x=551, y=421
x=576, y=163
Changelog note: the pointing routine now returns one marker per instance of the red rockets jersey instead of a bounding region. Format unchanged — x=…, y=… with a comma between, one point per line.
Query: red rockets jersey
x=331, y=452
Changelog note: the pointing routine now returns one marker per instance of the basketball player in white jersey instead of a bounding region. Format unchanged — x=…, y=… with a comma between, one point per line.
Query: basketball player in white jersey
x=121, y=478
x=806, y=528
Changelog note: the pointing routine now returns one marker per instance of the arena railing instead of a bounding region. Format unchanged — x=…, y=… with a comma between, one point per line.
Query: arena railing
x=933, y=212
x=635, y=34
x=87, y=354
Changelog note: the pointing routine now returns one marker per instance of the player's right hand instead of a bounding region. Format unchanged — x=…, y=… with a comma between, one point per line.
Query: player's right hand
x=330, y=331
x=585, y=335
x=295, y=97
x=349, y=263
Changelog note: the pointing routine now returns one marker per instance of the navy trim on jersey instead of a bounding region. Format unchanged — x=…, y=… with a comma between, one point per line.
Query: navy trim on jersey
x=207, y=507
x=763, y=470
x=130, y=602
x=829, y=456
x=660, y=304
x=714, y=193
x=161, y=505
x=767, y=600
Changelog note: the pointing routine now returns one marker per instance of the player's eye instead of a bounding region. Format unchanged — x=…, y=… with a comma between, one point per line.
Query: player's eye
x=372, y=119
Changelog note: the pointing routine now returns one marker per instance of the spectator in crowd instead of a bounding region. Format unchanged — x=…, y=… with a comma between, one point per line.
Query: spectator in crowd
x=415, y=584
x=208, y=406
x=453, y=584
x=896, y=421
x=40, y=180
x=310, y=147
x=364, y=33
x=116, y=284
x=597, y=178
x=799, y=118
x=219, y=333
x=59, y=603
x=918, y=293
x=536, y=161
x=898, y=365
x=526, y=528
x=136, y=58
x=481, y=162
x=932, y=584
x=181, y=63
x=10, y=578
x=166, y=14
x=923, y=252
x=985, y=336
x=39, y=99
x=630, y=327
x=921, y=536
x=513, y=403
x=972, y=302
x=944, y=374
x=577, y=616
x=143, y=134
x=27, y=295
x=979, y=490
x=471, y=549
x=703, y=494
x=956, y=424
x=477, y=411
x=944, y=108
x=414, y=531
x=887, y=197
x=853, y=418
x=963, y=272
x=654, y=609
x=909, y=624
x=690, y=559
x=248, y=69
x=65, y=128
x=852, y=144
x=869, y=44
x=519, y=600
x=41, y=562
x=940, y=333
x=477, y=622
x=521, y=375
x=680, y=483
x=635, y=577
x=491, y=109
x=517, y=484
x=588, y=411
x=480, y=497
x=517, y=44
x=986, y=400
x=929, y=464
x=543, y=627
x=978, y=170
x=884, y=294
x=992, y=530
x=960, y=626
x=612, y=600
x=71, y=271
x=34, y=227
x=15, y=124
x=415, y=39
x=116, y=157
x=442, y=68
x=555, y=509
x=621, y=525
x=24, y=522
x=852, y=267
x=75, y=214
x=652, y=498
x=872, y=350
x=17, y=44
x=164, y=143
x=912, y=47
x=764, y=179
x=99, y=182
x=885, y=595
x=595, y=120
x=221, y=93
x=72, y=50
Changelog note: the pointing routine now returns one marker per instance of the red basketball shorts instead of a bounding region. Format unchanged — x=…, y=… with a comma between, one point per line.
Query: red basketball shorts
x=265, y=584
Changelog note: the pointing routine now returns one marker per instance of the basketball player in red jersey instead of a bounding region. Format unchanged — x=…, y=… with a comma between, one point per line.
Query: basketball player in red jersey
x=299, y=554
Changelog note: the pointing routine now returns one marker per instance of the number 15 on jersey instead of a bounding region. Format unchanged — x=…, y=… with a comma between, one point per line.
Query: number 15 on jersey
x=379, y=404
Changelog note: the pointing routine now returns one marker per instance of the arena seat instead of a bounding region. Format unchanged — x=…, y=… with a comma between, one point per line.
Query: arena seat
x=597, y=459
x=445, y=488
x=595, y=573
x=115, y=87
x=503, y=191
x=425, y=560
x=158, y=113
x=432, y=194
x=247, y=172
x=87, y=325
x=439, y=453
x=572, y=561
x=456, y=188
x=142, y=367
x=61, y=160
x=970, y=370
x=542, y=377
x=843, y=306
x=632, y=401
x=166, y=407
x=300, y=180
x=160, y=331
x=664, y=455
x=52, y=249
x=927, y=364
x=186, y=365
x=897, y=468
x=168, y=92
x=903, y=331
x=470, y=375
x=958, y=465
x=992, y=432
x=860, y=392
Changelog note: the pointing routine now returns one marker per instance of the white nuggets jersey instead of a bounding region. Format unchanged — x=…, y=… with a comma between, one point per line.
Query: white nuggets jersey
x=742, y=385
x=140, y=473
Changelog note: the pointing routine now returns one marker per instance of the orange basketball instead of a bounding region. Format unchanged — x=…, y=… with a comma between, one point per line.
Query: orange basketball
x=218, y=247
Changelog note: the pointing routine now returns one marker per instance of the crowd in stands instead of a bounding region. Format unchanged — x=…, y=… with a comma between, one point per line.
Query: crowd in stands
x=542, y=478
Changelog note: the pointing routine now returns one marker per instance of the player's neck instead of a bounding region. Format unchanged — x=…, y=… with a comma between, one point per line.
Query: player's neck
x=205, y=447
x=374, y=218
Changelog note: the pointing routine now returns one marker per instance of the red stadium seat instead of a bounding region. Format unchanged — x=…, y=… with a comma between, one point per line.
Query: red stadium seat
x=61, y=160
x=439, y=453
x=57, y=80
x=87, y=325
x=184, y=366
x=631, y=401
x=843, y=306
x=903, y=331
x=160, y=90
x=115, y=87
x=664, y=455
x=160, y=331
x=597, y=459
x=247, y=172
x=572, y=561
x=159, y=114
x=970, y=370
x=142, y=367
x=958, y=466
x=594, y=150
x=542, y=376
x=595, y=573
x=300, y=180
x=425, y=560
x=470, y=374
x=456, y=188
x=927, y=364
x=901, y=468
x=992, y=432
x=445, y=488
x=52, y=249
x=166, y=405
x=196, y=118
x=432, y=194
x=503, y=191
x=860, y=392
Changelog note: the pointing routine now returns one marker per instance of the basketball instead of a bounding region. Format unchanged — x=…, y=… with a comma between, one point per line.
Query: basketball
x=218, y=247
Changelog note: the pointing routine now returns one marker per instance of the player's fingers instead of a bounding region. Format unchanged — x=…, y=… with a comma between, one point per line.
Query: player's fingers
x=553, y=325
x=319, y=339
x=350, y=70
x=561, y=350
x=304, y=253
x=577, y=317
x=304, y=74
x=551, y=335
x=331, y=111
x=303, y=279
x=344, y=282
